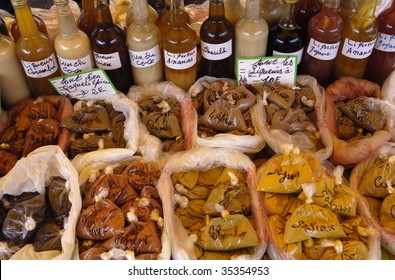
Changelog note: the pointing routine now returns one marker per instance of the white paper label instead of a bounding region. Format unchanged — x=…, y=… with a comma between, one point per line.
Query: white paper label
x=93, y=84
x=181, y=61
x=322, y=51
x=108, y=61
x=216, y=51
x=42, y=68
x=145, y=58
x=357, y=50
x=72, y=66
x=385, y=42
x=299, y=54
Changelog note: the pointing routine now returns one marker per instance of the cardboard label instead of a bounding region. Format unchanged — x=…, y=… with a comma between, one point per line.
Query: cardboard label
x=93, y=84
x=266, y=69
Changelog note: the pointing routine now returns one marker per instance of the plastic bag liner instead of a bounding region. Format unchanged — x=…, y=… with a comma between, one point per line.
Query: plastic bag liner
x=387, y=91
x=150, y=146
x=131, y=134
x=242, y=143
x=32, y=174
x=387, y=235
x=276, y=138
x=204, y=158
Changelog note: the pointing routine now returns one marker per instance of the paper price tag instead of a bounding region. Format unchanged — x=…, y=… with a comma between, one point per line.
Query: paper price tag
x=92, y=84
x=280, y=69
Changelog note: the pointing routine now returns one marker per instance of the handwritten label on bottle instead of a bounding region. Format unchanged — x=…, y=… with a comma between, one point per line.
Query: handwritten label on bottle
x=145, y=58
x=385, y=43
x=108, y=61
x=42, y=68
x=357, y=50
x=321, y=50
x=266, y=69
x=216, y=51
x=181, y=61
x=298, y=54
x=72, y=66
x=93, y=84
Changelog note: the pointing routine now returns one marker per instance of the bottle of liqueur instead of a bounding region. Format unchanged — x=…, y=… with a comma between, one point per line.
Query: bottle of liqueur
x=217, y=36
x=109, y=48
x=143, y=39
x=382, y=61
x=348, y=8
x=322, y=42
x=358, y=40
x=87, y=19
x=285, y=38
x=304, y=11
x=38, y=21
x=3, y=27
x=271, y=11
x=163, y=21
x=251, y=32
x=35, y=51
x=72, y=45
x=233, y=11
x=13, y=84
x=180, y=48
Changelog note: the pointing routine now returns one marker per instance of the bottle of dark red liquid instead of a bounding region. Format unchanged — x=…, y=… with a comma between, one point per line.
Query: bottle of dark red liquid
x=304, y=11
x=322, y=42
x=382, y=61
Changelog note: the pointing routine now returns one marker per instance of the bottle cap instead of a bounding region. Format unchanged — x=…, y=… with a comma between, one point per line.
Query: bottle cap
x=290, y=1
x=18, y=3
x=60, y=1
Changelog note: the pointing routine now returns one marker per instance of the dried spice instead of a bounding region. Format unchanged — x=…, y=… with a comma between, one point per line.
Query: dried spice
x=89, y=119
x=58, y=197
x=48, y=238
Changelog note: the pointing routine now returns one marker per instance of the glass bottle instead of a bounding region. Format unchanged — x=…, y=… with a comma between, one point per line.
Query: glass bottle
x=322, y=42
x=348, y=8
x=143, y=39
x=180, y=48
x=3, y=27
x=304, y=11
x=87, y=19
x=13, y=84
x=38, y=21
x=158, y=5
x=217, y=36
x=233, y=11
x=163, y=21
x=358, y=40
x=36, y=52
x=72, y=45
x=153, y=15
x=382, y=61
x=109, y=48
x=251, y=32
x=285, y=38
x=271, y=11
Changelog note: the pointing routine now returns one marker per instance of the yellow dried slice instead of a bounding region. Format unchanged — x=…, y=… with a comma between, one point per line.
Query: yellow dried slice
x=387, y=212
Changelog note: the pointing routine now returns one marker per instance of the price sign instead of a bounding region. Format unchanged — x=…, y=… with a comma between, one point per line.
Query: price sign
x=280, y=69
x=93, y=84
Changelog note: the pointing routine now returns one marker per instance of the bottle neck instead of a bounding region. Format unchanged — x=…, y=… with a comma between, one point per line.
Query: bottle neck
x=67, y=24
x=288, y=15
x=26, y=24
x=178, y=15
x=88, y=6
x=103, y=14
x=252, y=10
x=140, y=12
x=331, y=4
x=366, y=9
x=216, y=9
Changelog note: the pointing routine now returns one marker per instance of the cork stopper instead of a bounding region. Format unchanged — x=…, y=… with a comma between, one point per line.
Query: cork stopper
x=18, y=3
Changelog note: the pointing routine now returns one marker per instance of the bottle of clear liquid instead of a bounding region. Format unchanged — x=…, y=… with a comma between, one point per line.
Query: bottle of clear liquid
x=36, y=52
x=358, y=39
x=233, y=11
x=109, y=48
x=286, y=37
x=180, y=48
x=382, y=61
x=72, y=45
x=271, y=11
x=217, y=39
x=13, y=83
x=143, y=39
x=87, y=19
x=251, y=32
x=304, y=11
x=322, y=43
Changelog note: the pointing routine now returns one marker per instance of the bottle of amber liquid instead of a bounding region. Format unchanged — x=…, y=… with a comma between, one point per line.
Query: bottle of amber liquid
x=304, y=11
x=322, y=43
x=39, y=22
x=163, y=21
x=72, y=45
x=143, y=39
x=109, y=47
x=36, y=52
x=233, y=11
x=87, y=19
x=179, y=48
x=358, y=40
x=382, y=61
x=286, y=37
x=271, y=11
x=217, y=39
